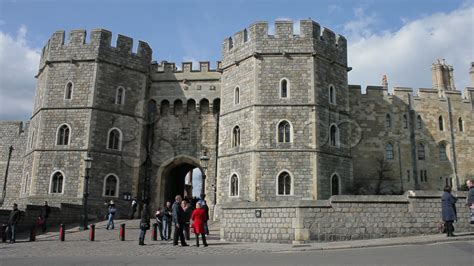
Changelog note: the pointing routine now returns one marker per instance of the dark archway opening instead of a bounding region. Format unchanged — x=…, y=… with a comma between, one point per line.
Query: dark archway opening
x=175, y=182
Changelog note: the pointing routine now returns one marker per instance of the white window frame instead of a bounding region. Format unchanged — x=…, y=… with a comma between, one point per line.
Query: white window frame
x=338, y=183
x=57, y=135
x=292, y=184
x=287, y=88
x=27, y=180
x=72, y=90
x=291, y=130
x=123, y=95
x=51, y=183
x=230, y=185
x=117, y=186
x=120, y=139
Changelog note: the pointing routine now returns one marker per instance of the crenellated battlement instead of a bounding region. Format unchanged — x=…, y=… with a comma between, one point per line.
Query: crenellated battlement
x=98, y=47
x=312, y=39
x=170, y=67
x=380, y=92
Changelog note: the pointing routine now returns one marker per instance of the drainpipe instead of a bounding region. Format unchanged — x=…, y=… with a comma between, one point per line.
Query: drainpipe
x=453, y=143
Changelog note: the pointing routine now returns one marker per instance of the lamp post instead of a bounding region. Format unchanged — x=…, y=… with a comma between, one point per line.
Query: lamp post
x=10, y=150
x=204, y=162
x=85, y=219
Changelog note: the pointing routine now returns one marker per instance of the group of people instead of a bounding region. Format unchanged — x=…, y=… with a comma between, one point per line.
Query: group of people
x=15, y=216
x=448, y=207
x=183, y=217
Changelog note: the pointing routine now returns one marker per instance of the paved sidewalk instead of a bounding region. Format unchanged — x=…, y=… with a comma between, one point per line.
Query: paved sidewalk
x=108, y=244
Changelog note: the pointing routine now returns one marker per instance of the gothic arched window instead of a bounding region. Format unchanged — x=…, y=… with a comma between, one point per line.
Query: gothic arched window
x=284, y=131
x=405, y=121
x=284, y=87
x=284, y=183
x=236, y=136
x=442, y=152
x=68, y=91
x=234, y=185
x=388, y=121
x=421, y=151
x=114, y=139
x=389, y=151
x=441, y=123
x=418, y=122
x=334, y=136
x=63, y=135
x=461, y=124
x=111, y=185
x=57, y=181
x=332, y=94
x=237, y=95
x=335, y=188
x=120, y=96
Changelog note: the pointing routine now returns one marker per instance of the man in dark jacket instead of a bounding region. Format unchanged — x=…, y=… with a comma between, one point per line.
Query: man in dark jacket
x=13, y=222
x=144, y=224
x=470, y=199
x=178, y=220
x=45, y=211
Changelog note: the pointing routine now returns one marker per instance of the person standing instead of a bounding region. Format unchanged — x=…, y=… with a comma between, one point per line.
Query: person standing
x=111, y=210
x=45, y=211
x=13, y=220
x=167, y=218
x=159, y=222
x=178, y=220
x=199, y=219
x=134, y=208
x=187, y=217
x=470, y=199
x=448, y=210
x=144, y=224
x=204, y=206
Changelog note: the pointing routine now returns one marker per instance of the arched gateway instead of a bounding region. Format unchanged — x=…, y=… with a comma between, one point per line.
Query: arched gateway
x=180, y=175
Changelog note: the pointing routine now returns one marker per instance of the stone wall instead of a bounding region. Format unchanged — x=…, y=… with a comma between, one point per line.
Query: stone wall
x=339, y=218
x=64, y=214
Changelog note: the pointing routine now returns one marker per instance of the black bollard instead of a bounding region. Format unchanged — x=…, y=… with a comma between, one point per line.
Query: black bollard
x=154, y=233
x=33, y=233
x=122, y=232
x=4, y=233
x=92, y=233
x=62, y=232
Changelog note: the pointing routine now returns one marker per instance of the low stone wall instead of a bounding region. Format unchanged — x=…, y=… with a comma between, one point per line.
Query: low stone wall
x=65, y=214
x=339, y=218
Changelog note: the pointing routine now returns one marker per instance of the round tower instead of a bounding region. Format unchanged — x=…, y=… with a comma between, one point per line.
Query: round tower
x=284, y=115
x=88, y=100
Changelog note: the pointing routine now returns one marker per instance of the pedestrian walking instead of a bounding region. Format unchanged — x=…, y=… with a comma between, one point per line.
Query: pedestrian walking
x=470, y=199
x=45, y=211
x=205, y=207
x=159, y=222
x=187, y=218
x=178, y=220
x=144, y=224
x=111, y=210
x=167, y=219
x=134, y=208
x=13, y=220
x=199, y=220
x=448, y=210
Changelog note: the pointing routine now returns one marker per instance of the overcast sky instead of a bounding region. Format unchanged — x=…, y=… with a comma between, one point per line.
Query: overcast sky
x=399, y=38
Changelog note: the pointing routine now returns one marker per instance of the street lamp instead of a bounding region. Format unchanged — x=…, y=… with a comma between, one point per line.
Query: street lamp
x=10, y=150
x=204, y=162
x=85, y=219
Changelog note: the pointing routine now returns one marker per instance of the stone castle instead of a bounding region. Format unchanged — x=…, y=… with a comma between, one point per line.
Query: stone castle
x=277, y=121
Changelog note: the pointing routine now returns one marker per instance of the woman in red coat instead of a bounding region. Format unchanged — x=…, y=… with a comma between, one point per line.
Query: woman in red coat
x=199, y=219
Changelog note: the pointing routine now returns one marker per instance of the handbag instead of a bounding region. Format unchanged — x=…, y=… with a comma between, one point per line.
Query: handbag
x=145, y=225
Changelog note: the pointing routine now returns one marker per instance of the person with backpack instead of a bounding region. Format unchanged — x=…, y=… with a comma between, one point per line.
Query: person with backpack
x=111, y=210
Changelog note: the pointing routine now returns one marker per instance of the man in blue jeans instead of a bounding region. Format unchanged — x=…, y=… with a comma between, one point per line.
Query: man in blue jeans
x=12, y=222
x=167, y=217
x=110, y=215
